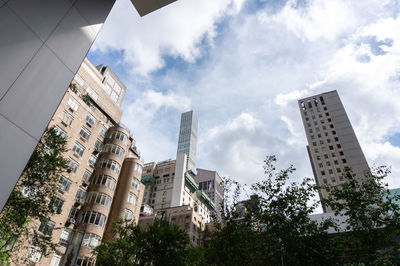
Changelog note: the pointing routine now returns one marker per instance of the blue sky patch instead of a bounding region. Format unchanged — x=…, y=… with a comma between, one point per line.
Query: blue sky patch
x=395, y=139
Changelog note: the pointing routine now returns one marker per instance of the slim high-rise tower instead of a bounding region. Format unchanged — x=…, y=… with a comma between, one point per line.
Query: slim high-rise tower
x=332, y=143
x=187, y=141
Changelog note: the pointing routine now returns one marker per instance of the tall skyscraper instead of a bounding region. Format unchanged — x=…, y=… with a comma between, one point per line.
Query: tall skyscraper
x=103, y=183
x=332, y=143
x=187, y=142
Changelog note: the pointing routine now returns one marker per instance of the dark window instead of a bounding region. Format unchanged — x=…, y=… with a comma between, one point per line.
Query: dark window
x=334, y=132
x=344, y=161
x=331, y=126
x=339, y=146
x=330, y=171
x=336, y=139
x=330, y=147
x=322, y=172
x=326, y=156
x=327, y=114
x=325, y=108
x=322, y=100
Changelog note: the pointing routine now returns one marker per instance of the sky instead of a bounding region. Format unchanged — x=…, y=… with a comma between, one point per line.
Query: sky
x=243, y=64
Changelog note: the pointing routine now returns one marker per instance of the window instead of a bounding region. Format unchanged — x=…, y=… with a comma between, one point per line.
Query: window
x=80, y=194
x=331, y=148
x=322, y=172
x=79, y=80
x=104, y=180
x=338, y=170
x=319, y=135
x=138, y=169
x=103, y=131
x=327, y=114
x=117, y=135
x=333, y=179
x=333, y=155
x=110, y=164
x=318, y=157
x=60, y=132
x=114, y=149
x=67, y=119
x=34, y=254
x=335, y=162
x=312, y=137
x=325, y=181
x=164, y=199
x=320, y=165
x=132, y=198
x=90, y=120
x=91, y=240
x=73, y=213
x=78, y=149
x=93, y=217
x=92, y=93
x=328, y=140
x=164, y=193
x=73, y=104
x=344, y=161
x=339, y=146
x=86, y=176
x=46, y=227
x=328, y=163
x=341, y=153
x=56, y=204
x=92, y=160
x=85, y=133
x=128, y=215
x=330, y=171
x=314, y=143
x=65, y=184
x=326, y=156
x=85, y=261
x=336, y=139
x=135, y=183
x=55, y=261
x=331, y=126
x=65, y=235
x=99, y=198
x=98, y=146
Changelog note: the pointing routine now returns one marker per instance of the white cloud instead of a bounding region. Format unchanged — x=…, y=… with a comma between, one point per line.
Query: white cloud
x=176, y=30
x=245, y=92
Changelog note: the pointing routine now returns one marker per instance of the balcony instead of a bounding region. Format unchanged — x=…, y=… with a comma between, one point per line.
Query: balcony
x=190, y=183
x=147, y=180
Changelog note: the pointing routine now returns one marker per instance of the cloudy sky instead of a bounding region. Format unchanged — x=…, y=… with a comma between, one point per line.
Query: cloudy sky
x=242, y=65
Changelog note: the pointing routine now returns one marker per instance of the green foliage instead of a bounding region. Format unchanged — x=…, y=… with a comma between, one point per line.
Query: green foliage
x=86, y=98
x=159, y=244
x=372, y=217
x=73, y=87
x=274, y=227
x=40, y=183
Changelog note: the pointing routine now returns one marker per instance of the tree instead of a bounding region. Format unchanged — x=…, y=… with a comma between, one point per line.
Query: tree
x=371, y=218
x=32, y=199
x=275, y=227
x=159, y=244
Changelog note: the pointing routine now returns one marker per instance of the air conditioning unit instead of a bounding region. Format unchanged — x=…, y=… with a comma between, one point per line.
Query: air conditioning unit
x=72, y=220
x=85, y=183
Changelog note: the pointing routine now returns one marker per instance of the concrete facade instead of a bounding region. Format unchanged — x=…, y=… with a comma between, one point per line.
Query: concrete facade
x=332, y=143
x=44, y=42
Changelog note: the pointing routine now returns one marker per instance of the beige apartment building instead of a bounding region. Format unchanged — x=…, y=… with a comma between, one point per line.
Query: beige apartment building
x=103, y=183
x=184, y=217
x=159, y=179
x=332, y=143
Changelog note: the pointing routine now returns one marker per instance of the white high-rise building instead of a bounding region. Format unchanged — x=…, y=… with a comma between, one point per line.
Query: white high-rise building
x=187, y=142
x=332, y=143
